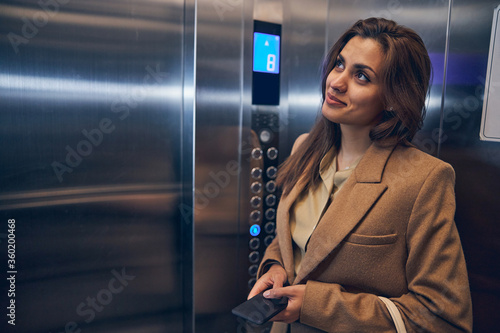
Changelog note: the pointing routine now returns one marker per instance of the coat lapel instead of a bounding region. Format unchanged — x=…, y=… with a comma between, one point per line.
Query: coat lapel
x=355, y=199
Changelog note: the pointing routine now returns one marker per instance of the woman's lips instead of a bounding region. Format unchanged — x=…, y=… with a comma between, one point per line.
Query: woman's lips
x=332, y=100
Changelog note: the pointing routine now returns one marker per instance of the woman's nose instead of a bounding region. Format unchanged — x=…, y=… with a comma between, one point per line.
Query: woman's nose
x=338, y=82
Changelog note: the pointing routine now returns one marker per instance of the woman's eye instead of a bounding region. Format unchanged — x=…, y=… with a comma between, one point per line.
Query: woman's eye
x=339, y=64
x=362, y=77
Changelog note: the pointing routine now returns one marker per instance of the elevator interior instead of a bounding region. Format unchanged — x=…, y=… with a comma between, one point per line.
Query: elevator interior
x=128, y=130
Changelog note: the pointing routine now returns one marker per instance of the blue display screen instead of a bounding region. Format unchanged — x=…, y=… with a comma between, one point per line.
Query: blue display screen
x=266, y=53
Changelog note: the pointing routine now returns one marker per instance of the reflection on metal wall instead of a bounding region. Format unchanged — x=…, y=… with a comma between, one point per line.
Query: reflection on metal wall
x=476, y=163
x=91, y=100
x=305, y=33
x=219, y=275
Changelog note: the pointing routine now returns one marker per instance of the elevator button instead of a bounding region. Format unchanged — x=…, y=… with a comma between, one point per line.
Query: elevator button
x=256, y=187
x=272, y=153
x=252, y=270
x=254, y=257
x=256, y=173
x=254, y=243
x=251, y=283
x=270, y=213
x=271, y=200
x=265, y=135
x=271, y=186
x=271, y=172
x=256, y=201
x=257, y=153
x=268, y=240
x=270, y=227
x=255, y=230
x=255, y=216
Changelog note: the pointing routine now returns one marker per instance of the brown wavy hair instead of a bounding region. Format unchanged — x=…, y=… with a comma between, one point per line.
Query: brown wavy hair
x=406, y=72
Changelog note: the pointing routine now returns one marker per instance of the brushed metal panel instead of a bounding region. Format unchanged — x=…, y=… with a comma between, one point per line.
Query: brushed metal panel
x=476, y=163
x=304, y=34
x=91, y=99
x=219, y=265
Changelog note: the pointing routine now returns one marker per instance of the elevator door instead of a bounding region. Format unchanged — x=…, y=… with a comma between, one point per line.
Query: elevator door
x=91, y=112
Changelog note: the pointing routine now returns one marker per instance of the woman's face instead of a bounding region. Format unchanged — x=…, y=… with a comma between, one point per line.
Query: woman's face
x=353, y=95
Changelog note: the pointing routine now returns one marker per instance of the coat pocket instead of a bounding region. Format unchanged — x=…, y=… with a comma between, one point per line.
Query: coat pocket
x=371, y=240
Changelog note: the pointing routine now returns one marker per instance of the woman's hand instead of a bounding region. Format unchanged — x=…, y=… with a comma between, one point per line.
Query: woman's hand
x=274, y=278
x=295, y=295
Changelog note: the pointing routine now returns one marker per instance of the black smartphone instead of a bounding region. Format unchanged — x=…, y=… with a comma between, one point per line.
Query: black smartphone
x=259, y=309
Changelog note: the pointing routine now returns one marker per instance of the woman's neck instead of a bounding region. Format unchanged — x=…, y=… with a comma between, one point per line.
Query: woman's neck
x=353, y=144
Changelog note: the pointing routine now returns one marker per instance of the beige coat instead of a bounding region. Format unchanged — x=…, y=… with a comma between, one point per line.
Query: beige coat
x=390, y=232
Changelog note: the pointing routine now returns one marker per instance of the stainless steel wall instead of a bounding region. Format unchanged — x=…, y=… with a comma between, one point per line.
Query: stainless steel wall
x=93, y=123
x=305, y=33
x=101, y=105
x=219, y=258
x=476, y=163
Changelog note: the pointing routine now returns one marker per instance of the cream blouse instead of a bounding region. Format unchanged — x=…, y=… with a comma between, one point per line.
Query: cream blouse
x=310, y=206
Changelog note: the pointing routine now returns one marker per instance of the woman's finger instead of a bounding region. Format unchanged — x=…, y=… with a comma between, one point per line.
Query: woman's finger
x=259, y=287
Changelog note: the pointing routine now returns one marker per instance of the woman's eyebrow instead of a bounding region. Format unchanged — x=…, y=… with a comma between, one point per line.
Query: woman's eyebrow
x=358, y=66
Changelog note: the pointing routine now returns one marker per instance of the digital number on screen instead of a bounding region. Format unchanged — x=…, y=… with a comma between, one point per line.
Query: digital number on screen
x=266, y=53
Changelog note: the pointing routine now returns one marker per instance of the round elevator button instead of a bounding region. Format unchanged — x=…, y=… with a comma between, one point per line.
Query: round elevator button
x=272, y=153
x=271, y=186
x=255, y=202
x=255, y=230
x=257, y=153
x=254, y=257
x=270, y=213
x=268, y=240
x=271, y=172
x=270, y=227
x=256, y=187
x=265, y=135
x=255, y=216
x=271, y=200
x=256, y=173
x=252, y=270
x=251, y=283
x=254, y=243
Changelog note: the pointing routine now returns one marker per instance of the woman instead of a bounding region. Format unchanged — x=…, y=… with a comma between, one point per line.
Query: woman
x=365, y=231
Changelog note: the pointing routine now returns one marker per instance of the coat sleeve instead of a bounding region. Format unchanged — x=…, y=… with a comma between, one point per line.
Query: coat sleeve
x=438, y=298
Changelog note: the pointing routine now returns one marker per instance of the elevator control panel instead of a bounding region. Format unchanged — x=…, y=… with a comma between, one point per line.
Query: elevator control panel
x=266, y=63
x=263, y=191
x=263, y=197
